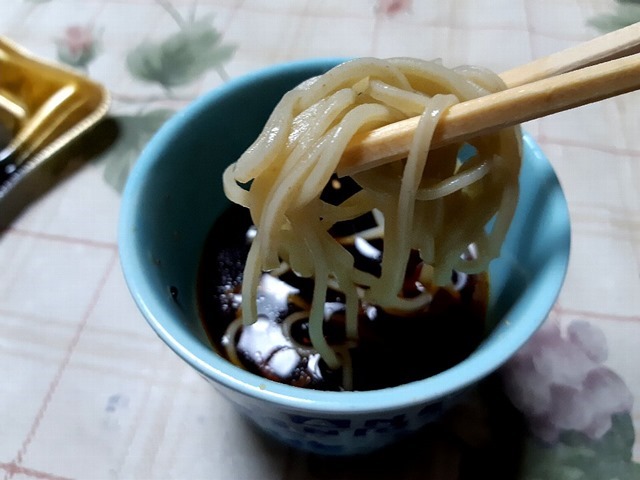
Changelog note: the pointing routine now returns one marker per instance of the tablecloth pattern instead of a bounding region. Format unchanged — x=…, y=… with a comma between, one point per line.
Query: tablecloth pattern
x=88, y=391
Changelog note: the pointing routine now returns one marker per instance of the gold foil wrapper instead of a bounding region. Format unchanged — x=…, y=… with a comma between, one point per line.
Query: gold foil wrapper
x=43, y=107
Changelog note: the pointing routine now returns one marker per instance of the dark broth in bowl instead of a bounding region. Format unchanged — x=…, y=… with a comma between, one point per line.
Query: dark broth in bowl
x=391, y=349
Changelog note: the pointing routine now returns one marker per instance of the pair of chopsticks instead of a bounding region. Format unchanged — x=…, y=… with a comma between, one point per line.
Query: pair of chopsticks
x=600, y=68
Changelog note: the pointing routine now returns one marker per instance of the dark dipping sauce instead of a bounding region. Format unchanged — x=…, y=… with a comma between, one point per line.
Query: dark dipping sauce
x=391, y=349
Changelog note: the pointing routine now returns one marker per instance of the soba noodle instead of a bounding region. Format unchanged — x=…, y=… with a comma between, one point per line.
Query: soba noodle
x=438, y=203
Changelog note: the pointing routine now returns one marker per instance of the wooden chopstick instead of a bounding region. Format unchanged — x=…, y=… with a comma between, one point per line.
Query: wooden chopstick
x=616, y=44
x=515, y=105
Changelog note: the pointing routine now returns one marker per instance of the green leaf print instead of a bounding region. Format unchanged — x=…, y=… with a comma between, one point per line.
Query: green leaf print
x=626, y=13
x=577, y=457
x=182, y=57
x=134, y=131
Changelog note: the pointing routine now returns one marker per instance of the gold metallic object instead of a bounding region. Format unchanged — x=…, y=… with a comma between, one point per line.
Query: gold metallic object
x=43, y=106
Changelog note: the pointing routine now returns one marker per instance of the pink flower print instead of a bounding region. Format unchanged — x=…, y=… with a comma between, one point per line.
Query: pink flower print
x=560, y=384
x=78, y=46
x=588, y=339
x=393, y=7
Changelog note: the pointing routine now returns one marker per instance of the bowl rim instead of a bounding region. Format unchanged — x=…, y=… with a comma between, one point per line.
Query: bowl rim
x=134, y=263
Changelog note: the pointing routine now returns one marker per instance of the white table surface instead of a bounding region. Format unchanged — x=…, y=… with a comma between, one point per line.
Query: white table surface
x=87, y=390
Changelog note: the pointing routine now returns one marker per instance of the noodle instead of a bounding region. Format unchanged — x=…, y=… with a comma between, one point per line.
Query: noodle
x=438, y=203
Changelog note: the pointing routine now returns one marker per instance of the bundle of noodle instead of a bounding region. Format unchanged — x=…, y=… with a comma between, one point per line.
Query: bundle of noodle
x=452, y=206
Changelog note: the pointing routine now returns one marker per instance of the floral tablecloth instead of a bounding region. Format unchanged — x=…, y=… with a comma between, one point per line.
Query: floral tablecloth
x=87, y=390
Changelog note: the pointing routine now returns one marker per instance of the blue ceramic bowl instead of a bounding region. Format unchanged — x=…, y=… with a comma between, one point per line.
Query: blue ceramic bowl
x=174, y=194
